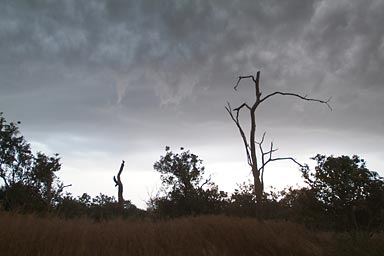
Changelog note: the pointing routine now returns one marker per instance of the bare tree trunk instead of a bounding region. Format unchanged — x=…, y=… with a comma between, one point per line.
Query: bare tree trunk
x=258, y=164
x=119, y=186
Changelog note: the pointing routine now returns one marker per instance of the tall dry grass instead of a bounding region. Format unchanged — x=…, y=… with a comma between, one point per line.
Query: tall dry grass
x=207, y=235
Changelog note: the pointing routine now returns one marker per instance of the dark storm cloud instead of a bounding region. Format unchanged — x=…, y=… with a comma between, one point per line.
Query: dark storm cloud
x=347, y=38
x=121, y=77
x=73, y=60
x=171, y=43
x=174, y=40
x=107, y=51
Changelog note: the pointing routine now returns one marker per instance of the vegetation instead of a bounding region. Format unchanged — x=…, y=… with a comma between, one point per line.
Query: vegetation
x=339, y=212
x=184, y=191
x=346, y=194
x=29, y=181
x=204, y=235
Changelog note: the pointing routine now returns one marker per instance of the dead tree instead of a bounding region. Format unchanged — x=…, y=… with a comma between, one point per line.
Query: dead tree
x=257, y=157
x=119, y=186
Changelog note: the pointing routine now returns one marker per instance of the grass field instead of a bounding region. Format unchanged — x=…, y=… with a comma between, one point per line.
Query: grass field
x=206, y=235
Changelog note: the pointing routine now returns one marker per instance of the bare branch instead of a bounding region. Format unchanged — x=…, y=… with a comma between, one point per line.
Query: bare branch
x=326, y=102
x=243, y=77
x=116, y=183
x=263, y=154
x=271, y=150
x=282, y=158
x=66, y=186
x=121, y=169
x=241, y=106
x=262, y=139
x=206, y=181
x=229, y=110
x=237, y=122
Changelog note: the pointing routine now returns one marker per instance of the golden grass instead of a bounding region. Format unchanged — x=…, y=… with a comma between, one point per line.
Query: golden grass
x=206, y=235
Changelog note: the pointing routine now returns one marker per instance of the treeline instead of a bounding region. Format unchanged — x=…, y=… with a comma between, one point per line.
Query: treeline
x=30, y=184
x=341, y=193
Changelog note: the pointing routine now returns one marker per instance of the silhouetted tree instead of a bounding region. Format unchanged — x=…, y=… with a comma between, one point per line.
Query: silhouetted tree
x=28, y=181
x=119, y=186
x=352, y=197
x=15, y=154
x=257, y=156
x=43, y=178
x=182, y=176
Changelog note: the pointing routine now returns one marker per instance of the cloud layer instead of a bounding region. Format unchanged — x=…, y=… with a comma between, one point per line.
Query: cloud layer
x=118, y=77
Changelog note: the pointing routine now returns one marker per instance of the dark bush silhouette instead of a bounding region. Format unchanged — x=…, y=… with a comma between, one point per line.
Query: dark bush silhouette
x=183, y=192
x=351, y=197
x=29, y=181
x=102, y=207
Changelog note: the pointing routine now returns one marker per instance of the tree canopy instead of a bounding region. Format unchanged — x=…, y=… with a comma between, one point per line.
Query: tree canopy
x=29, y=180
x=184, y=192
x=350, y=194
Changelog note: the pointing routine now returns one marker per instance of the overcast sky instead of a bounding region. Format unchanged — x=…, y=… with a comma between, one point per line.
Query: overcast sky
x=105, y=80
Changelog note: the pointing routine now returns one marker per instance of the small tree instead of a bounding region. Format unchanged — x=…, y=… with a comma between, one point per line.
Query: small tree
x=44, y=179
x=350, y=194
x=182, y=176
x=29, y=182
x=257, y=156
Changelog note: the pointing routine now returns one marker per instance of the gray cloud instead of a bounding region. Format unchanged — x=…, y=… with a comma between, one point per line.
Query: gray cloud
x=152, y=72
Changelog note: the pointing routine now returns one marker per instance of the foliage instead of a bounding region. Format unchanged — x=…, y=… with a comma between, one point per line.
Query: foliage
x=182, y=176
x=29, y=182
x=181, y=173
x=342, y=195
x=351, y=196
x=15, y=154
x=243, y=201
x=44, y=179
x=300, y=205
x=101, y=207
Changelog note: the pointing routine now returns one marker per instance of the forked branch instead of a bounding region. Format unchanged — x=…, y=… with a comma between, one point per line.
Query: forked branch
x=266, y=157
